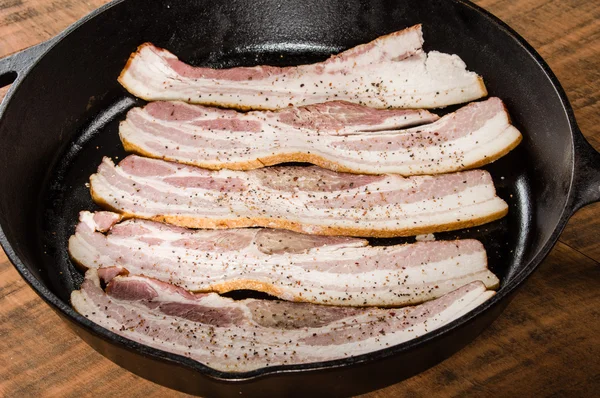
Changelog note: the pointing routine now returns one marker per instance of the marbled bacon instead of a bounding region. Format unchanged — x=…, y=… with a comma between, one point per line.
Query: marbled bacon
x=291, y=266
x=303, y=199
x=336, y=135
x=391, y=71
x=239, y=336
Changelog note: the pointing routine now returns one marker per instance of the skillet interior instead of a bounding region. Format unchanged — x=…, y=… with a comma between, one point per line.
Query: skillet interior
x=64, y=116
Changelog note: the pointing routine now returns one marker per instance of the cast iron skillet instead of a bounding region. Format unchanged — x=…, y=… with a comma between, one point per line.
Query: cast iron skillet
x=61, y=115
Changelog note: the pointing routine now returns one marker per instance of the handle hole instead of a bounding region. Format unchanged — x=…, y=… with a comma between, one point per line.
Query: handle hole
x=8, y=78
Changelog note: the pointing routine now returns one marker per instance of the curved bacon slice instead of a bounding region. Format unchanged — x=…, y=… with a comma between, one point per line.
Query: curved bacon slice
x=288, y=265
x=391, y=71
x=336, y=135
x=238, y=336
x=303, y=199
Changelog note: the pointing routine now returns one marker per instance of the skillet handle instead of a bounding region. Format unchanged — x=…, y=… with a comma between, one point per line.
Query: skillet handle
x=14, y=65
x=586, y=185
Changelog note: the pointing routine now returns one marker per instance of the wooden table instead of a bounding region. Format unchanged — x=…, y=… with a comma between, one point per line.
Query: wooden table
x=545, y=344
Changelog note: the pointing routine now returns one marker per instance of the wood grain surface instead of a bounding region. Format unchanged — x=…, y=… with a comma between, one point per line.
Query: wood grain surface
x=545, y=344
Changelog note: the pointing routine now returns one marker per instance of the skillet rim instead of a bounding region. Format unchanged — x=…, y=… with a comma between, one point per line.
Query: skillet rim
x=67, y=312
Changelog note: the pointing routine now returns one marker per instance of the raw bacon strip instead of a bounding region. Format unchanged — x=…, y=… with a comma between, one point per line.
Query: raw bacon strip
x=288, y=265
x=303, y=199
x=338, y=136
x=239, y=336
x=391, y=71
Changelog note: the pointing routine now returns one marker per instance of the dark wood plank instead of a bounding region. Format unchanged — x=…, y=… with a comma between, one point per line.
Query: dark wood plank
x=41, y=356
x=545, y=344
x=567, y=35
x=582, y=231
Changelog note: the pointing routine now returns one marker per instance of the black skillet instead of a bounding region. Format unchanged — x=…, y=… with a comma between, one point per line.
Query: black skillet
x=61, y=115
